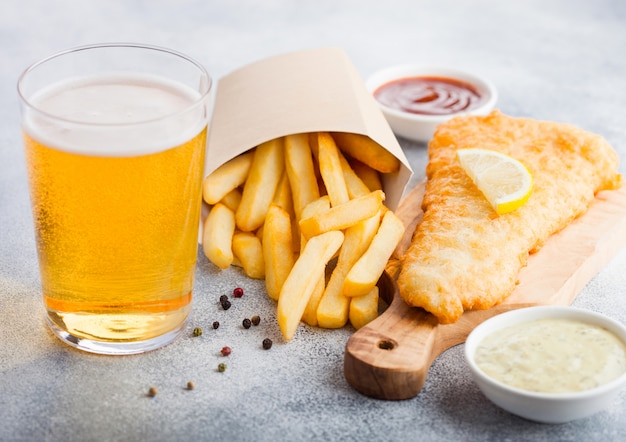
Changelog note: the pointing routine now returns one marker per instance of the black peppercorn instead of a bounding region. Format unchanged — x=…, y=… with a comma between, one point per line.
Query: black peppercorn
x=256, y=319
x=226, y=304
x=246, y=323
x=267, y=343
x=223, y=298
x=216, y=324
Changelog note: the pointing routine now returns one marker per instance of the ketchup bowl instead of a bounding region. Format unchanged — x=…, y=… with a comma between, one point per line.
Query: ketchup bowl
x=550, y=364
x=416, y=99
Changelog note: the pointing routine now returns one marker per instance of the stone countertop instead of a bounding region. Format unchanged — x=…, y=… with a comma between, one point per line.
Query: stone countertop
x=558, y=60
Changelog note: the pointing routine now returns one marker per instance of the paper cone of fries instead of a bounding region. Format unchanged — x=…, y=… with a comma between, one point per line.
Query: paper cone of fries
x=302, y=167
x=300, y=92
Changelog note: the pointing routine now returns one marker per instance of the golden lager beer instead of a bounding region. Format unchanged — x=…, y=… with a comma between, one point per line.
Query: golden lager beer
x=115, y=185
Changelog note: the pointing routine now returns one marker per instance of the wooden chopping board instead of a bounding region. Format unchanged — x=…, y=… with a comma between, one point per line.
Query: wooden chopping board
x=389, y=358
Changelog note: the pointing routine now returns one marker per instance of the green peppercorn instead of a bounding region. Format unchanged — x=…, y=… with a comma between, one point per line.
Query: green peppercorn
x=197, y=331
x=221, y=367
x=256, y=320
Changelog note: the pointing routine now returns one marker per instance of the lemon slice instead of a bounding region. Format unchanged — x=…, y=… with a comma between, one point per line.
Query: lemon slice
x=505, y=182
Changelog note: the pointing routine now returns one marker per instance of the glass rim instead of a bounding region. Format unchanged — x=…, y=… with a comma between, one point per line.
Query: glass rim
x=33, y=66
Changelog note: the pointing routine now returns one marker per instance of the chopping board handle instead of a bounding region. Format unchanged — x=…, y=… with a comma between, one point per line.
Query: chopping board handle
x=389, y=358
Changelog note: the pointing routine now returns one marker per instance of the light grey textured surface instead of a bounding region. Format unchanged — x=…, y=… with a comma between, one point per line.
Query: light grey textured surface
x=559, y=60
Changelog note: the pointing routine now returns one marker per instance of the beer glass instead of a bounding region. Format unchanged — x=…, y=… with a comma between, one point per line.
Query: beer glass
x=115, y=138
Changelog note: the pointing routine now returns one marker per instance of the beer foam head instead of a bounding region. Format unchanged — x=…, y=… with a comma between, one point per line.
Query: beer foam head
x=115, y=115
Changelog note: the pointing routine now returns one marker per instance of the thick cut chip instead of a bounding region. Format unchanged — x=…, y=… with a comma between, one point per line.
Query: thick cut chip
x=227, y=177
x=364, y=308
x=247, y=248
x=363, y=276
x=330, y=169
x=303, y=279
x=277, y=249
x=333, y=308
x=369, y=176
x=344, y=215
x=301, y=172
x=368, y=151
x=217, y=239
x=260, y=187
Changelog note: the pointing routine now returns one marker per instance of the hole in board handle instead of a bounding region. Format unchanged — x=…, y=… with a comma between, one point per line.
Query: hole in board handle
x=386, y=344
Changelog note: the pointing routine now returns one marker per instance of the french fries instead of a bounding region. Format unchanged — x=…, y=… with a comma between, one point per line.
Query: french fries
x=366, y=271
x=367, y=151
x=309, y=316
x=263, y=178
x=303, y=278
x=218, y=236
x=330, y=169
x=248, y=250
x=285, y=209
x=343, y=216
x=277, y=249
x=301, y=172
x=333, y=308
x=227, y=177
x=364, y=308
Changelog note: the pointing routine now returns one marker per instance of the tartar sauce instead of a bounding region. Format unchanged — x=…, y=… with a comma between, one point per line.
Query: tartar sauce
x=552, y=356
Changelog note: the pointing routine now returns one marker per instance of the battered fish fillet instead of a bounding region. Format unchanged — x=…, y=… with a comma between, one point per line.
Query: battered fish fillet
x=463, y=255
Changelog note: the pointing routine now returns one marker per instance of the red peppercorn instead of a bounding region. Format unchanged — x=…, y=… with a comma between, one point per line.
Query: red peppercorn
x=238, y=292
x=226, y=351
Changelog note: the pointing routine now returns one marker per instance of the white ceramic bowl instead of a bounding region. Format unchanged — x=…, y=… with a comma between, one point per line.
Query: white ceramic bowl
x=422, y=127
x=544, y=407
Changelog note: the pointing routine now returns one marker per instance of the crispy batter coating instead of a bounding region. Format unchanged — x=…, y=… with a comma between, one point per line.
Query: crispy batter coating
x=463, y=255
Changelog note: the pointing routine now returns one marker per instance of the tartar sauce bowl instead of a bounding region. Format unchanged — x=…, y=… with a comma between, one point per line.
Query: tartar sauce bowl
x=546, y=407
x=419, y=124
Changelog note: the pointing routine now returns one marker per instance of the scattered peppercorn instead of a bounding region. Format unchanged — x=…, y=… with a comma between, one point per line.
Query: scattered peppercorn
x=191, y=385
x=221, y=367
x=223, y=298
x=226, y=304
x=197, y=331
x=246, y=323
x=216, y=324
x=153, y=392
x=267, y=343
x=226, y=351
x=238, y=292
x=256, y=320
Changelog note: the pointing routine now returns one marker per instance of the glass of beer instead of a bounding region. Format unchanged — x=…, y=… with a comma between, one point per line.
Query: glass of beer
x=115, y=138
